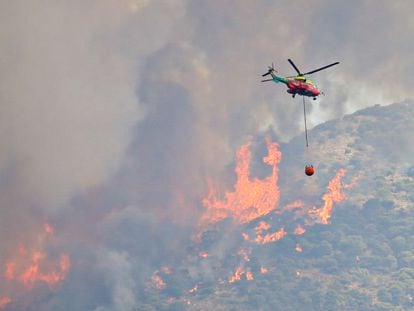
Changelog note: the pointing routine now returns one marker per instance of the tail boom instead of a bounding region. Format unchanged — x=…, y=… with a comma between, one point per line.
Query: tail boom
x=278, y=79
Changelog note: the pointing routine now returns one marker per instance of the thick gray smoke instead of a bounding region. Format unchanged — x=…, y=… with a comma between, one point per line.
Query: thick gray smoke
x=115, y=113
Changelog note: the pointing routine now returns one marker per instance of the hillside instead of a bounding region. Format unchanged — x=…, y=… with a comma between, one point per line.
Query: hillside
x=340, y=240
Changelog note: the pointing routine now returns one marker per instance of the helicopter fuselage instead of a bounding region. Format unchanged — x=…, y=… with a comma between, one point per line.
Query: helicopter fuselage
x=298, y=85
x=302, y=88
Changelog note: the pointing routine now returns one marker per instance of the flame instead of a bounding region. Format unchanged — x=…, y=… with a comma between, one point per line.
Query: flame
x=249, y=276
x=245, y=236
x=33, y=273
x=251, y=198
x=299, y=230
x=264, y=270
x=31, y=265
x=271, y=237
x=58, y=276
x=294, y=205
x=333, y=195
x=157, y=281
x=244, y=253
x=353, y=182
x=262, y=226
x=10, y=266
x=203, y=254
x=48, y=228
x=237, y=275
x=4, y=301
x=193, y=290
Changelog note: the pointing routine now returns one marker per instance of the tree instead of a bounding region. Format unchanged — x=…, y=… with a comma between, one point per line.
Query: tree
x=333, y=301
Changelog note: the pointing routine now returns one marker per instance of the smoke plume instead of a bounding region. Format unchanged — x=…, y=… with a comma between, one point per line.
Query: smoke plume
x=116, y=113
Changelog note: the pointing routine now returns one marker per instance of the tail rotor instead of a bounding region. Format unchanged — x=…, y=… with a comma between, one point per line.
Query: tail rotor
x=271, y=69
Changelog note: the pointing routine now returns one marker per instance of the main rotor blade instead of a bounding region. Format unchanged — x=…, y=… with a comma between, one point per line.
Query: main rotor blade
x=322, y=68
x=267, y=80
x=294, y=66
x=266, y=74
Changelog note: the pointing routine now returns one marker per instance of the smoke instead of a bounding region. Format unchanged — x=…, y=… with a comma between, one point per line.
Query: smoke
x=119, y=269
x=115, y=112
x=373, y=46
x=64, y=96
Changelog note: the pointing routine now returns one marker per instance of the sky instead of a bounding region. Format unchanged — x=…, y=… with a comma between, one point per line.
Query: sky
x=115, y=113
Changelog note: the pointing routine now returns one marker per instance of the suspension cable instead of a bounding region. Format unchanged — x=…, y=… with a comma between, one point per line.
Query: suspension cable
x=304, y=116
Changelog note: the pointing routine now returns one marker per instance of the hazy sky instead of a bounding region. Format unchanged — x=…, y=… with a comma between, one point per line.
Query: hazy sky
x=115, y=110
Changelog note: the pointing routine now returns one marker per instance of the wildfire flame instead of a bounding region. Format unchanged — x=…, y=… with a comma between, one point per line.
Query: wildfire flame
x=4, y=301
x=193, y=290
x=10, y=267
x=244, y=253
x=33, y=273
x=251, y=198
x=157, y=281
x=249, y=275
x=264, y=270
x=294, y=205
x=333, y=195
x=237, y=275
x=262, y=226
x=203, y=254
x=353, y=182
x=299, y=230
x=245, y=236
x=271, y=237
x=31, y=266
x=48, y=228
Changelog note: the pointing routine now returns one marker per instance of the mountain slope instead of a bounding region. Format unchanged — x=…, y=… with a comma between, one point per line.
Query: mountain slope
x=361, y=257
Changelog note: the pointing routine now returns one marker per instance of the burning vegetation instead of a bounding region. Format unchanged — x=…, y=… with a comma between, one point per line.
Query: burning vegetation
x=254, y=198
x=253, y=205
x=31, y=265
x=4, y=301
x=251, y=198
x=157, y=282
x=333, y=195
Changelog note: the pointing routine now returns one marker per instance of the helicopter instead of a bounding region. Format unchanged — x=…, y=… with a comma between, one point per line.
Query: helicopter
x=298, y=84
